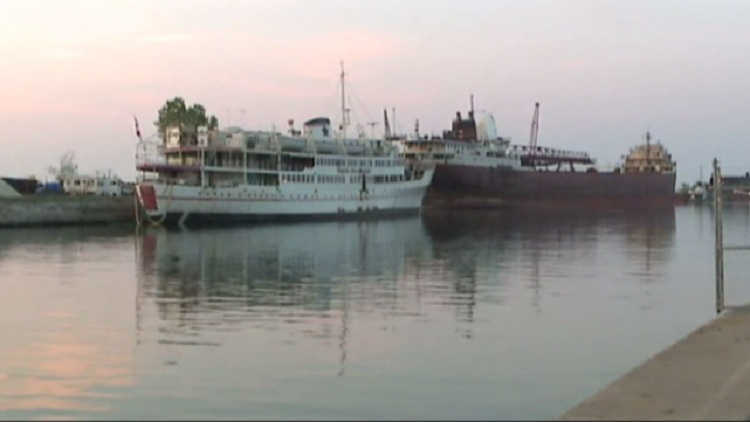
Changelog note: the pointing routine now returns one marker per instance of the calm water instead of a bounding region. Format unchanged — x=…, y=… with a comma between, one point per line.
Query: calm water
x=463, y=315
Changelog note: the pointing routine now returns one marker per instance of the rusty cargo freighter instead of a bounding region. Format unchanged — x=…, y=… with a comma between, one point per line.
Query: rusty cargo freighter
x=476, y=168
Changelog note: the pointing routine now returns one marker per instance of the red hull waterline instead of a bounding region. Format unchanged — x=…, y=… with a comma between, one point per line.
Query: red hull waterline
x=486, y=187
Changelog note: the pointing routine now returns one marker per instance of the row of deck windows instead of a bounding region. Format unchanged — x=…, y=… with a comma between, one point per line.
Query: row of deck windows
x=357, y=162
x=340, y=178
x=269, y=163
x=298, y=196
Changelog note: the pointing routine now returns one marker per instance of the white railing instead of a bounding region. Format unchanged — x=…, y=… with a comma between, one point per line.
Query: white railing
x=150, y=153
x=549, y=152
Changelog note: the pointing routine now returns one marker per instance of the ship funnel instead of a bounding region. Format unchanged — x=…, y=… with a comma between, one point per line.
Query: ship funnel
x=486, y=129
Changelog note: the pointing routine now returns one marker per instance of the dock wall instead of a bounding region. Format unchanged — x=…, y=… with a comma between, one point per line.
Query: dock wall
x=705, y=376
x=65, y=210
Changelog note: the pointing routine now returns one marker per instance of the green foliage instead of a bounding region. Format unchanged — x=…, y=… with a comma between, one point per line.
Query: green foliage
x=175, y=112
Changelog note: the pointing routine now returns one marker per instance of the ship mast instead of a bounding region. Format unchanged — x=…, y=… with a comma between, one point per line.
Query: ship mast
x=386, y=124
x=648, y=151
x=343, y=104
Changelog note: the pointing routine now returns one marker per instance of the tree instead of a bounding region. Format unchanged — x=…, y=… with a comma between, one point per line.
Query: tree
x=175, y=112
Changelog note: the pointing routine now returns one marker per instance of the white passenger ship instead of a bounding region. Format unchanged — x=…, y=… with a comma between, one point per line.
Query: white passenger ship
x=250, y=175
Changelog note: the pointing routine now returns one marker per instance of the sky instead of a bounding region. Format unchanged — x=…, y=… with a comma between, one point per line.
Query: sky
x=74, y=73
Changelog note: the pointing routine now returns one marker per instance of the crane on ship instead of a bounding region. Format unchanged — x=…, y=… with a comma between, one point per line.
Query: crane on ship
x=533, y=155
x=534, y=128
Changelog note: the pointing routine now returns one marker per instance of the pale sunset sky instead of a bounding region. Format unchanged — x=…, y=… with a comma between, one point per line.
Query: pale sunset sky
x=74, y=73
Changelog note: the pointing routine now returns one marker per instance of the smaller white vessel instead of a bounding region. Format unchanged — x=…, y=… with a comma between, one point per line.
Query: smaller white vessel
x=71, y=182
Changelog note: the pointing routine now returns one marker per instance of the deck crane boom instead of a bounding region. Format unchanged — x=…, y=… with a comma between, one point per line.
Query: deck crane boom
x=534, y=127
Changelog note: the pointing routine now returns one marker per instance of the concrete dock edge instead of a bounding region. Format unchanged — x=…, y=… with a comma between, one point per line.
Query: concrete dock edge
x=704, y=376
x=65, y=210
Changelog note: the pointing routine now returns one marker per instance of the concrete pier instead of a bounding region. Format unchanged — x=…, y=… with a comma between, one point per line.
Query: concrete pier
x=705, y=376
x=51, y=210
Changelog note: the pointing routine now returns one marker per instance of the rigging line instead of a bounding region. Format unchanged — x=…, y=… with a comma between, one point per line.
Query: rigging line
x=332, y=102
x=361, y=103
x=353, y=113
x=337, y=107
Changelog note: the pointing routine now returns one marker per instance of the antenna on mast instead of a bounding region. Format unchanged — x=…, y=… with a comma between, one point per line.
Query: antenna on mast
x=395, y=127
x=372, y=128
x=343, y=103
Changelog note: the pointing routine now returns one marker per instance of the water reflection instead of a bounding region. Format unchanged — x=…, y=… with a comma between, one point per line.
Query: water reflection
x=63, y=242
x=578, y=229
x=61, y=357
x=313, y=277
x=549, y=247
x=62, y=372
x=307, y=276
x=456, y=315
x=645, y=233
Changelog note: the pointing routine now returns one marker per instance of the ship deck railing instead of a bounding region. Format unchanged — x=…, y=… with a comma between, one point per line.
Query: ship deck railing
x=549, y=153
x=150, y=153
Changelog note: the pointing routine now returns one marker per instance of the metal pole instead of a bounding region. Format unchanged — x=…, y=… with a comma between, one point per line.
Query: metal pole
x=718, y=238
x=343, y=105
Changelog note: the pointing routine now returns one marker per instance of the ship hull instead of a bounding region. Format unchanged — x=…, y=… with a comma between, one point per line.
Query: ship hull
x=173, y=219
x=192, y=205
x=481, y=186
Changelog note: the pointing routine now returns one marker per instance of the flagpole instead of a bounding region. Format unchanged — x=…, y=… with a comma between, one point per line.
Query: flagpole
x=137, y=129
